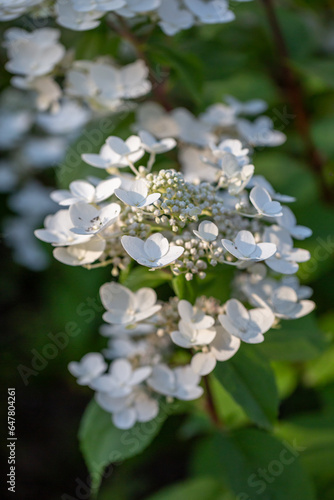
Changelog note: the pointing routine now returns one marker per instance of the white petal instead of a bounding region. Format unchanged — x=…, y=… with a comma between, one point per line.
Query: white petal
x=140, y=374
x=134, y=247
x=245, y=243
x=185, y=310
x=156, y=246
x=96, y=161
x=203, y=363
x=282, y=266
x=224, y=345
x=125, y=419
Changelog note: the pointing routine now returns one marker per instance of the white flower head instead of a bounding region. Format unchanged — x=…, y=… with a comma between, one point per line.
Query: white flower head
x=194, y=316
x=89, y=220
x=80, y=254
x=182, y=382
x=33, y=54
x=223, y=347
x=286, y=258
x=58, y=230
x=86, y=192
x=207, y=231
x=151, y=145
x=121, y=378
x=285, y=303
x=248, y=326
x=263, y=203
x=245, y=248
x=69, y=17
x=126, y=411
x=173, y=18
x=125, y=307
x=91, y=366
x=187, y=336
x=233, y=147
x=154, y=252
x=211, y=12
x=116, y=153
x=288, y=222
x=137, y=195
x=252, y=107
x=260, y=132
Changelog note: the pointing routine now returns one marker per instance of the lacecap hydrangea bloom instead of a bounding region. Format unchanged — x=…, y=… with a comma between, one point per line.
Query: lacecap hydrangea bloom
x=223, y=215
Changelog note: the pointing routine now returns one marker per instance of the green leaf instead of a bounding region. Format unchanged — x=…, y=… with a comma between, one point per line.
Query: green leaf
x=255, y=465
x=296, y=340
x=249, y=379
x=197, y=489
x=140, y=277
x=185, y=290
x=217, y=283
x=315, y=433
x=102, y=443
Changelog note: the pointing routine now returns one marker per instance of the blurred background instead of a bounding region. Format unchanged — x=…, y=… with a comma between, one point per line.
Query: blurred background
x=51, y=313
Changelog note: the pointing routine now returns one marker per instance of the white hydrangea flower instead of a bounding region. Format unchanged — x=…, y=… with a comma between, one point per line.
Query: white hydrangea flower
x=252, y=107
x=223, y=347
x=285, y=303
x=58, y=230
x=69, y=17
x=85, y=191
x=70, y=117
x=151, y=145
x=233, y=147
x=194, y=316
x=48, y=91
x=154, y=252
x=137, y=195
x=261, y=200
x=245, y=248
x=191, y=130
x=89, y=220
x=80, y=254
x=125, y=307
x=91, y=366
x=286, y=257
x=121, y=378
x=12, y=9
x=249, y=326
x=151, y=116
x=106, y=84
x=125, y=347
x=207, y=231
x=173, y=18
x=187, y=336
x=211, y=12
x=33, y=54
x=260, y=132
x=99, y=5
x=181, y=382
x=127, y=329
x=136, y=407
x=288, y=221
x=134, y=7
x=116, y=153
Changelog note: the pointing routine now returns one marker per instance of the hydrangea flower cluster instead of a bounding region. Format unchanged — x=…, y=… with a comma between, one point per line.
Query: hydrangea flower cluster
x=207, y=210
x=160, y=219
x=171, y=15
x=39, y=61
